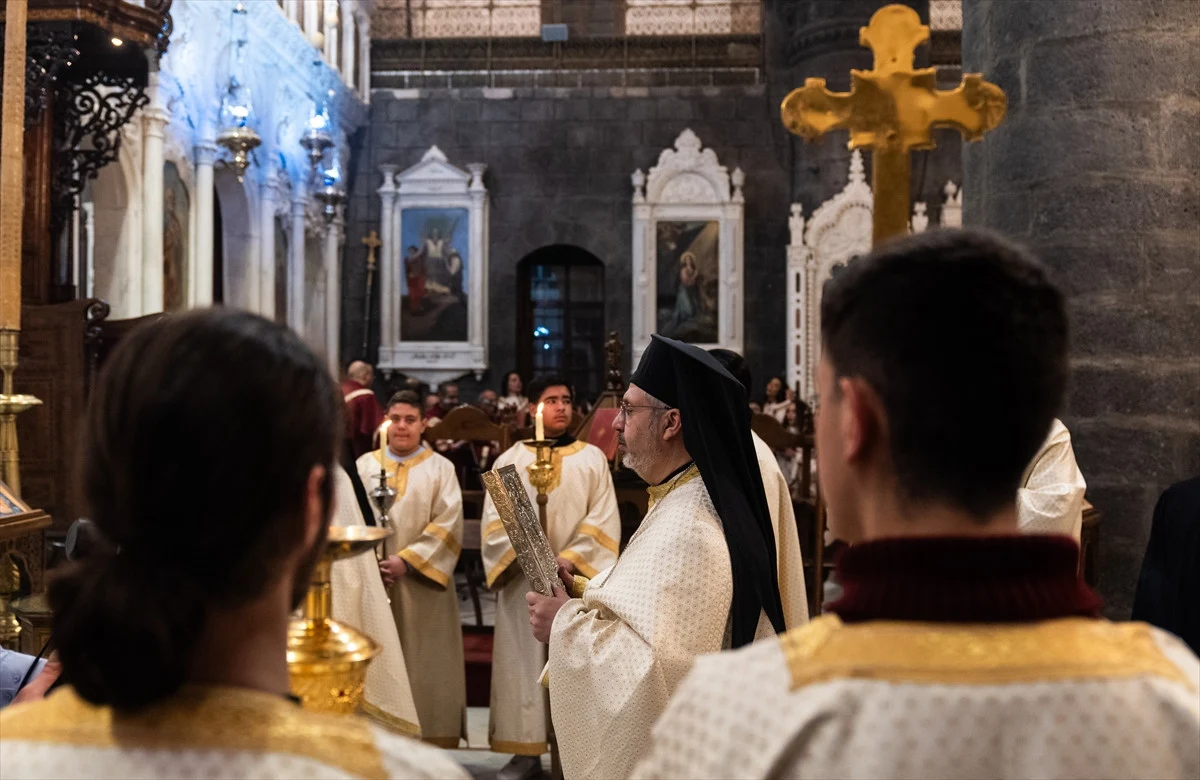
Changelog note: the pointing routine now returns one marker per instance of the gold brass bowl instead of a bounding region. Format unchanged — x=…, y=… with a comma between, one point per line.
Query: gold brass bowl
x=327, y=660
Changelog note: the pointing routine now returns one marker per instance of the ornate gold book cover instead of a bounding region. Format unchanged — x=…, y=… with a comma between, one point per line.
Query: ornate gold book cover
x=523, y=529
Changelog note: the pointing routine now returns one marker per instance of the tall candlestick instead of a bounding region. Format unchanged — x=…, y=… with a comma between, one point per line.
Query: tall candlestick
x=383, y=429
x=539, y=426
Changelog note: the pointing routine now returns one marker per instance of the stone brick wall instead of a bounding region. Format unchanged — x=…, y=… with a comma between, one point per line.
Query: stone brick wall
x=1096, y=168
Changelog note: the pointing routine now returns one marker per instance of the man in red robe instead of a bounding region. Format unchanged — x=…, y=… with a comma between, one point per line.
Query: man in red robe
x=363, y=413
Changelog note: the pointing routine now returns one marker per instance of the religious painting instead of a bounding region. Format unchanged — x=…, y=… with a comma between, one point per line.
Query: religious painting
x=176, y=210
x=434, y=250
x=688, y=270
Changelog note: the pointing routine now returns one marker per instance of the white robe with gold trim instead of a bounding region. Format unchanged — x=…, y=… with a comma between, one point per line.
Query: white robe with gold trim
x=360, y=601
x=584, y=528
x=1069, y=698
x=206, y=732
x=792, y=588
x=618, y=652
x=1050, y=499
x=428, y=522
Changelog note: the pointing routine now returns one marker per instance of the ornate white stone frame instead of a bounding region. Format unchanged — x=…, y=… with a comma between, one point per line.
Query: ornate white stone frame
x=839, y=230
x=688, y=183
x=433, y=183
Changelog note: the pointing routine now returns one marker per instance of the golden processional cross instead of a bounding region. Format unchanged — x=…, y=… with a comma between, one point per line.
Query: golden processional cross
x=893, y=109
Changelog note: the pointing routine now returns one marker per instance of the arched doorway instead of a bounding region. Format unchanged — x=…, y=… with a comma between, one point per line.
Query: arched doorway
x=560, y=320
x=235, y=243
x=116, y=238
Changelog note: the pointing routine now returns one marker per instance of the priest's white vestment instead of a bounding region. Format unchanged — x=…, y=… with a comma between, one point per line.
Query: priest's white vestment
x=359, y=601
x=619, y=652
x=428, y=522
x=792, y=589
x=207, y=731
x=1064, y=698
x=1050, y=499
x=584, y=528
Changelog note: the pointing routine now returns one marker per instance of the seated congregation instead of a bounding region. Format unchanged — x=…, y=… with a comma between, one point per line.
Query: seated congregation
x=965, y=641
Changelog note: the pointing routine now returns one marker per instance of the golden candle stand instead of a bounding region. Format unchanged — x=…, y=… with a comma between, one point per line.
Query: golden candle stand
x=541, y=476
x=327, y=660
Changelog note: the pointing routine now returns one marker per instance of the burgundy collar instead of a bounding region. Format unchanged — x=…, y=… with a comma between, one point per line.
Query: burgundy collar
x=1006, y=579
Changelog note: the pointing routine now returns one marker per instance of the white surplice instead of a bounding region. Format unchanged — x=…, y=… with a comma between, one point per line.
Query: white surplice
x=618, y=652
x=360, y=601
x=1050, y=499
x=792, y=589
x=1069, y=698
x=428, y=522
x=206, y=731
x=584, y=528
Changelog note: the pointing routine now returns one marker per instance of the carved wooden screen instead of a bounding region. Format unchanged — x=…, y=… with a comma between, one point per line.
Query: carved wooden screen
x=693, y=17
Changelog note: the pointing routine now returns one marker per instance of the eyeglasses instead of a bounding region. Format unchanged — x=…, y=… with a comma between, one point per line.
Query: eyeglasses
x=627, y=408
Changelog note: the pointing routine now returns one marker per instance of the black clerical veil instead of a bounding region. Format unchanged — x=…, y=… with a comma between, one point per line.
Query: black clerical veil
x=716, y=432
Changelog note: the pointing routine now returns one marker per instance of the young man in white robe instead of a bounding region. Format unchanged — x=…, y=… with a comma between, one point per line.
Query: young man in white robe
x=359, y=600
x=788, y=558
x=1050, y=498
x=961, y=648
x=173, y=635
x=418, y=567
x=584, y=530
x=699, y=575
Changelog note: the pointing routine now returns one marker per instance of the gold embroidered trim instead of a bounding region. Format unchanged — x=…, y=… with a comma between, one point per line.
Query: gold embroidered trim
x=581, y=565
x=556, y=458
x=603, y=539
x=962, y=654
x=509, y=556
x=578, y=586
x=389, y=721
x=424, y=567
x=493, y=527
x=446, y=537
x=201, y=718
x=659, y=492
x=517, y=748
x=398, y=472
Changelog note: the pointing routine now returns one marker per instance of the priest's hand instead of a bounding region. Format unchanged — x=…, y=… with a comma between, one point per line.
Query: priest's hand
x=392, y=568
x=542, y=610
x=563, y=563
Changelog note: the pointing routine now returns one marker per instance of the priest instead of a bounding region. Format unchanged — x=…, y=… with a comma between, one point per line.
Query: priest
x=1050, y=498
x=359, y=600
x=418, y=567
x=788, y=558
x=697, y=577
x=961, y=648
x=584, y=530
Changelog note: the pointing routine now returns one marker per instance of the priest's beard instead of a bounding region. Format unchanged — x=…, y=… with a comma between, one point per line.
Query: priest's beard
x=642, y=462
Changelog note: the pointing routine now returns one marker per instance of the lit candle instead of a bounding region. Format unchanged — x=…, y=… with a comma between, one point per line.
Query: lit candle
x=383, y=429
x=540, y=428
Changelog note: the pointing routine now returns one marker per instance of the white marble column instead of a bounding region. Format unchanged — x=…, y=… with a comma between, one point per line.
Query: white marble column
x=386, y=277
x=308, y=22
x=335, y=237
x=295, y=280
x=154, y=119
x=330, y=28
x=292, y=9
x=89, y=225
x=364, y=58
x=200, y=291
x=349, y=47
x=267, y=189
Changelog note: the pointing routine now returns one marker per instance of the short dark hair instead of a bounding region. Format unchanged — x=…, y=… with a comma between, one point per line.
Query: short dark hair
x=735, y=364
x=539, y=385
x=407, y=397
x=964, y=338
x=201, y=405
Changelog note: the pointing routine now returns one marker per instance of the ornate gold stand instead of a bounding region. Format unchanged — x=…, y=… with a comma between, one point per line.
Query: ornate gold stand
x=327, y=660
x=541, y=476
x=10, y=406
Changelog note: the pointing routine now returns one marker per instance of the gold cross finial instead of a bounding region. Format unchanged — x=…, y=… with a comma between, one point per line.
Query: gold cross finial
x=372, y=243
x=893, y=109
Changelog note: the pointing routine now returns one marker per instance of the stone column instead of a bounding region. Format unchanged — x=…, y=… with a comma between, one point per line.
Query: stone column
x=296, y=262
x=292, y=9
x=89, y=225
x=266, y=245
x=308, y=22
x=387, y=276
x=154, y=119
x=1095, y=169
x=330, y=24
x=349, y=47
x=364, y=58
x=335, y=236
x=200, y=291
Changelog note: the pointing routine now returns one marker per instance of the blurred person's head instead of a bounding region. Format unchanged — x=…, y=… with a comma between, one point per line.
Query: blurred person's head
x=205, y=465
x=408, y=422
x=555, y=395
x=513, y=384
x=361, y=372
